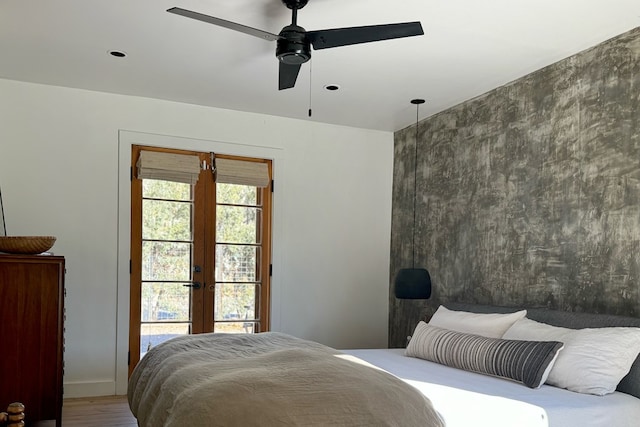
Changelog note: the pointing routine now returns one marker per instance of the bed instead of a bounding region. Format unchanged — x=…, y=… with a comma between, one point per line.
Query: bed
x=268, y=379
x=173, y=386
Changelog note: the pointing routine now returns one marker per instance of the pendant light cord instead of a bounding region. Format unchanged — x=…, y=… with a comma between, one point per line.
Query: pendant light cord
x=417, y=103
x=310, y=83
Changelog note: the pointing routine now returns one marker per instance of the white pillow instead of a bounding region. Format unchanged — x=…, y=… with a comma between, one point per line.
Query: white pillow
x=593, y=361
x=491, y=325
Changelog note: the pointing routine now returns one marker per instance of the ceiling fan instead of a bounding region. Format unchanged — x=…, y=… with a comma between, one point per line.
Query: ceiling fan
x=294, y=42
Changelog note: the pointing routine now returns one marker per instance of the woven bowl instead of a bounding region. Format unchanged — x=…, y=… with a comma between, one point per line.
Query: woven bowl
x=28, y=245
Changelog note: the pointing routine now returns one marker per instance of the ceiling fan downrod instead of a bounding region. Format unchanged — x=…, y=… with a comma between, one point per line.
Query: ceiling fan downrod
x=294, y=5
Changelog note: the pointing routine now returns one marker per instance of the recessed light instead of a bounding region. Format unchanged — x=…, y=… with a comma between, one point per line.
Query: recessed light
x=117, y=53
x=332, y=87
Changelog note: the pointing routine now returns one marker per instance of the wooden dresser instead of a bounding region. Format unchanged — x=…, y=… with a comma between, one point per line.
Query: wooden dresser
x=31, y=334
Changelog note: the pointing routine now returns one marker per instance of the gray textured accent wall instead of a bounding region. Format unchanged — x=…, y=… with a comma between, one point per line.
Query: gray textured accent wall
x=528, y=195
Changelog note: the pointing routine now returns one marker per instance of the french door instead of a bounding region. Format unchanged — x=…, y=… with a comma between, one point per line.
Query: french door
x=200, y=250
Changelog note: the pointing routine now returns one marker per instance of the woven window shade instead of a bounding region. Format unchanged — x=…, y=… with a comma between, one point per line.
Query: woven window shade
x=168, y=167
x=242, y=172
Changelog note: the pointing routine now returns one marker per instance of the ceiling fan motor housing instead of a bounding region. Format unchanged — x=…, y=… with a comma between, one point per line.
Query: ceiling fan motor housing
x=293, y=47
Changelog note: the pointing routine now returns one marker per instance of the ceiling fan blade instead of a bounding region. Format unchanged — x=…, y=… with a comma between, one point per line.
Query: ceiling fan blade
x=223, y=23
x=324, y=39
x=288, y=75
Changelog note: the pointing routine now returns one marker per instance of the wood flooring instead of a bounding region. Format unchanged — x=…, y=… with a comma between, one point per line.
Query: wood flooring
x=112, y=411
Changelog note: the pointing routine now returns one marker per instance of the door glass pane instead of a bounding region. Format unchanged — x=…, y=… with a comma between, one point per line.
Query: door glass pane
x=166, y=261
x=235, y=327
x=236, y=194
x=235, y=308
x=152, y=334
x=165, y=302
x=236, y=263
x=238, y=224
x=166, y=220
x=156, y=189
x=236, y=301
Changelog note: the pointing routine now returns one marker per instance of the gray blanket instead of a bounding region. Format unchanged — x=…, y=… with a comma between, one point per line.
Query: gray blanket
x=268, y=379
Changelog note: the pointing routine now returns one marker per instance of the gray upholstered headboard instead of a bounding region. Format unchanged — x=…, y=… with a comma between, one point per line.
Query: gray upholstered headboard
x=629, y=384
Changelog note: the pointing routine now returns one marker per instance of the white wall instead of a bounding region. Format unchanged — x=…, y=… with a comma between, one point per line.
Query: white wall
x=63, y=171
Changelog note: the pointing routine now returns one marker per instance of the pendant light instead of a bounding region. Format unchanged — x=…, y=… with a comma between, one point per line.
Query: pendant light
x=413, y=283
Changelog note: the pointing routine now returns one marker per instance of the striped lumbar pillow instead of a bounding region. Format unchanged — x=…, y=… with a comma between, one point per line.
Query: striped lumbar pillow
x=528, y=362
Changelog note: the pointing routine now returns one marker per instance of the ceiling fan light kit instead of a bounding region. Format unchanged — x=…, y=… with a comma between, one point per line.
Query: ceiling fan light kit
x=293, y=43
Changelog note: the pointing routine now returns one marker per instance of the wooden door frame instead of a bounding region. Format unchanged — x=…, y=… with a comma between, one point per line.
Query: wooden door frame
x=265, y=270
x=135, y=269
x=205, y=247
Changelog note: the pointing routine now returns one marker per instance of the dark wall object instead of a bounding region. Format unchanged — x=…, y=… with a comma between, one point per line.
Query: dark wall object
x=528, y=195
x=412, y=283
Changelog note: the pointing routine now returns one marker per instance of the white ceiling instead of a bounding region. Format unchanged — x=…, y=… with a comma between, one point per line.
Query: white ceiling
x=469, y=47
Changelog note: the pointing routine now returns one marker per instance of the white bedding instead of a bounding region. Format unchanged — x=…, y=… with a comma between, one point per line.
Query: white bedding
x=467, y=399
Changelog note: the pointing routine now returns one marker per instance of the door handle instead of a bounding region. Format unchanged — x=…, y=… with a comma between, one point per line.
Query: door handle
x=194, y=285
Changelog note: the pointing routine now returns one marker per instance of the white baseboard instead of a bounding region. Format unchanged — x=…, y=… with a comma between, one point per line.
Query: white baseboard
x=89, y=389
